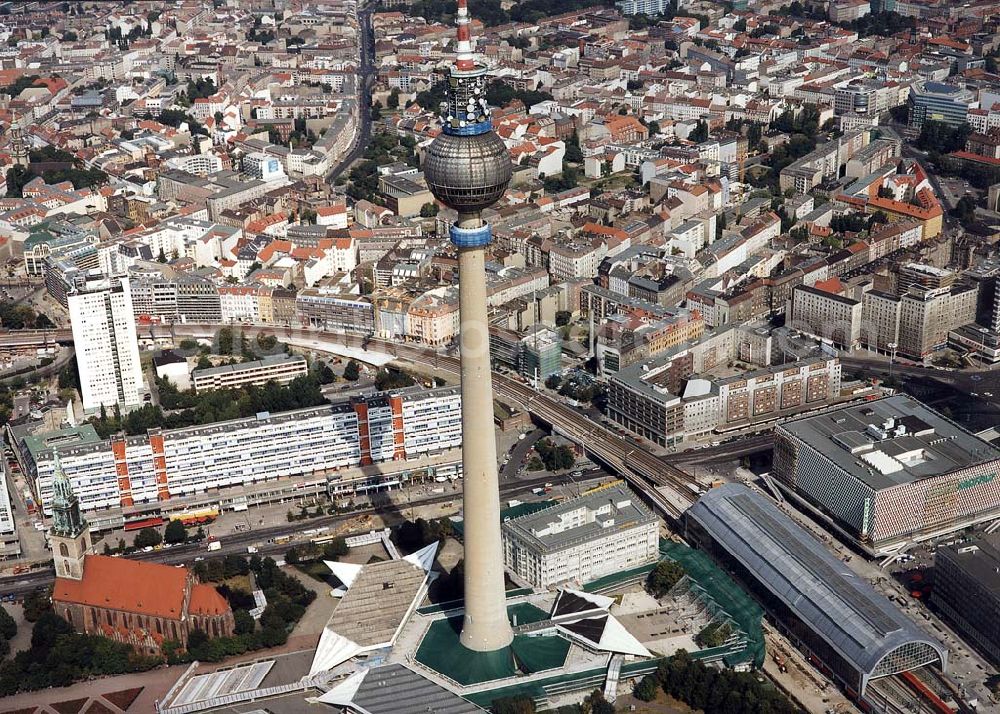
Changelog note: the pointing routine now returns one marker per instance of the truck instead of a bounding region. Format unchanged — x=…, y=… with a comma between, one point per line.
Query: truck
x=251, y=549
x=215, y=545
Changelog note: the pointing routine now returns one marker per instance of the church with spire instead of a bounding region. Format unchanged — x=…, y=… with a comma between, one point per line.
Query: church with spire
x=139, y=603
x=70, y=536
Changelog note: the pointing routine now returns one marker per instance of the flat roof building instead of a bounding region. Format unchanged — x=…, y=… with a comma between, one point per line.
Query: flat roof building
x=278, y=368
x=603, y=531
x=937, y=101
x=967, y=589
x=889, y=471
x=829, y=611
x=127, y=470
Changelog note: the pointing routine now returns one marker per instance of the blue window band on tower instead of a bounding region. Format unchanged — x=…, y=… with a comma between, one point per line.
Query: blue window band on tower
x=471, y=237
x=482, y=127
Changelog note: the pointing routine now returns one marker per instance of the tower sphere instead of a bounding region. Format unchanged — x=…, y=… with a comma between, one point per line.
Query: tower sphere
x=467, y=173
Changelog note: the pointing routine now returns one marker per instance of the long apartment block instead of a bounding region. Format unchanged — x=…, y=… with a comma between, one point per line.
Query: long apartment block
x=126, y=470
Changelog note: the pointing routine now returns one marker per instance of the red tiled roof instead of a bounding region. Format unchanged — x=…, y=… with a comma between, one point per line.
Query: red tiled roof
x=206, y=600
x=130, y=585
x=832, y=285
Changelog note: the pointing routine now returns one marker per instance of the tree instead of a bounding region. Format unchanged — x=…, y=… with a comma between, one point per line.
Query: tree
x=244, y=622
x=513, y=705
x=699, y=133
x=664, y=576
x=555, y=458
x=17, y=177
x=175, y=532
x=352, y=371
x=68, y=376
x=943, y=138
x=573, y=152
x=148, y=537
x=36, y=603
x=47, y=629
x=429, y=210
x=646, y=689
x=563, y=317
x=598, y=704
x=8, y=626
x=965, y=209
x=393, y=100
x=336, y=548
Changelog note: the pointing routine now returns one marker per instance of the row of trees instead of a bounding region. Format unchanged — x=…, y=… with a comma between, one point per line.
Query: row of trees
x=58, y=656
x=334, y=550
x=16, y=316
x=942, y=138
x=388, y=378
x=411, y=536
x=714, y=691
x=208, y=407
x=174, y=534
x=287, y=600
x=554, y=457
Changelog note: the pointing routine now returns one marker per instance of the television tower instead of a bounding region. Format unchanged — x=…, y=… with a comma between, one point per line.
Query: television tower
x=468, y=168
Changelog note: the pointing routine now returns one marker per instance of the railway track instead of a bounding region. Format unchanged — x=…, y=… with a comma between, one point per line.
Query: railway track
x=645, y=472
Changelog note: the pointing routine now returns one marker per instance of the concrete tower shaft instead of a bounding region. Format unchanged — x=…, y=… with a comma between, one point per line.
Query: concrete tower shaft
x=485, y=627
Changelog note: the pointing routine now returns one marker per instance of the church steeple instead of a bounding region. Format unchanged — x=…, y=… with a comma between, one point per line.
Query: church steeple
x=67, y=520
x=70, y=535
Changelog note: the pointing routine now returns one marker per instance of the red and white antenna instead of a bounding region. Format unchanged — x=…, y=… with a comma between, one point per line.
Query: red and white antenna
x=465, y=60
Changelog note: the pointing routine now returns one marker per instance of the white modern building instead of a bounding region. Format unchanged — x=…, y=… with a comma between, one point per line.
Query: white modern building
x=601, y=532
x=262, y=166
x=107, y=351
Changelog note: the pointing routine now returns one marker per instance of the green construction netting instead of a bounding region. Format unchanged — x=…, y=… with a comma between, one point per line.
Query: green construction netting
x=621, y=578
x=455, y=604
x=524, y=613
x=441, y=651
x=729, y=596
x=539, y=653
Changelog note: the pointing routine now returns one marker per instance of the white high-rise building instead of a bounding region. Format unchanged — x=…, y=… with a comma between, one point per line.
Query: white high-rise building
x=107, y=351
x=262, y=166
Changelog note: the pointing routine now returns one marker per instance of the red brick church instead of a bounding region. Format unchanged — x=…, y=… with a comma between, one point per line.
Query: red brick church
x=138, y=603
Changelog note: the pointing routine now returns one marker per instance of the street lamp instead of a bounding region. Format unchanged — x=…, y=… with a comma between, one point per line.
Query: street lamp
x=892, y=356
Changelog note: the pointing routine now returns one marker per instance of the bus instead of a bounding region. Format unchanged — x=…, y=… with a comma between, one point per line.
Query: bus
x=196, y=516
x=137, y=520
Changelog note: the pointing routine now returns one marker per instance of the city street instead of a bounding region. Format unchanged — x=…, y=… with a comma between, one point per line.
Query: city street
x=366, y=78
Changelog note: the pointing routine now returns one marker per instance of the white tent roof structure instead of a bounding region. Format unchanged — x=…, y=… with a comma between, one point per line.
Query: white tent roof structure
x=424, y=557
x=604, y=633
x=345, y=572
x=333, y=649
